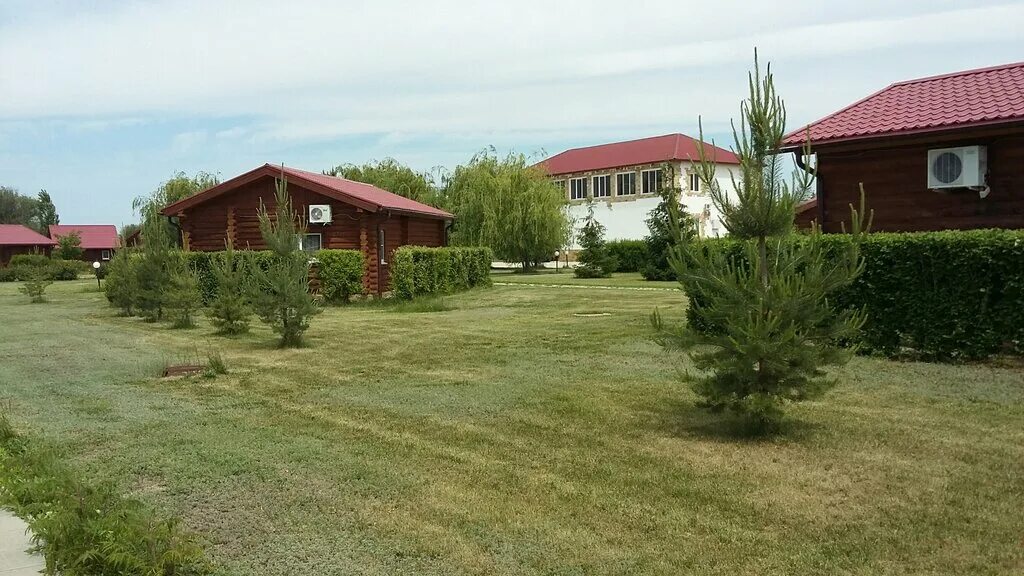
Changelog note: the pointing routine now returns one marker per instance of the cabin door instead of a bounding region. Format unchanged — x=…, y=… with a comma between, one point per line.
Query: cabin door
x=383, y=262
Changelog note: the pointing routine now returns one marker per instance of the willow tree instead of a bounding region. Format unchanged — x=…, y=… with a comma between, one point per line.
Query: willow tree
x=508, y=205
x=393, y=176
x=764, y=323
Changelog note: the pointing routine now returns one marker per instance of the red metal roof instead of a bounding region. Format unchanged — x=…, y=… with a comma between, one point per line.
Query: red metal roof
x=633, y=152
x=18, y=235
x=363, y=195
x=94, y=236
x=970, y=98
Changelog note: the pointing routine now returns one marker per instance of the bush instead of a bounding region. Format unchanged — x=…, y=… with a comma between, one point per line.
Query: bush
x=204, y=264
x=631, y=255
x=8, y=274
x=65, y=269
x=122, y=282
x=951, y=296
x=416, y=270
x=39, y=260
x=35, y=284
x=181, y=297
x=340, y=273
x=231, y=308
x=88, y=530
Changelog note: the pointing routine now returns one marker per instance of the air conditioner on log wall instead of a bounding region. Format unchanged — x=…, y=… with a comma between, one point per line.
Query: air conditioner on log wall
x=962, y=167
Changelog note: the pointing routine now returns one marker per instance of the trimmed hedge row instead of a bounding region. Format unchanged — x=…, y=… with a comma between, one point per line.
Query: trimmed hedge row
x=631, y=255
x=417, y=271
x=340, y=271
x=22, y=267
x=951, y=295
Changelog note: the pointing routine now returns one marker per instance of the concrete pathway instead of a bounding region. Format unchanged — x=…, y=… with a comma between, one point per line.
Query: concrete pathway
x=14, y=540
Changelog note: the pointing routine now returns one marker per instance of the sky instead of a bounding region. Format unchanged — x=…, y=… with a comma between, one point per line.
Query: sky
x=101, y=101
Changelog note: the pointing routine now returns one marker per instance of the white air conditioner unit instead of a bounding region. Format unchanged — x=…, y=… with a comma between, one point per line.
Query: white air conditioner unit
x=320, y=214
x=963, y=167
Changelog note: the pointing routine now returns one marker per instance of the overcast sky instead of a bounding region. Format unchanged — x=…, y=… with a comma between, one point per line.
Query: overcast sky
x=101, y=101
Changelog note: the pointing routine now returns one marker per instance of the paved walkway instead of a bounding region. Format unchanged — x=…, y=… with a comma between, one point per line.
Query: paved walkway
x=586, y=286
x=14, y=540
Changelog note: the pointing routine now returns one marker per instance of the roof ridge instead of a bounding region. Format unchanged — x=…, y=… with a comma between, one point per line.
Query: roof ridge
x=622, y=142
x=958, y=73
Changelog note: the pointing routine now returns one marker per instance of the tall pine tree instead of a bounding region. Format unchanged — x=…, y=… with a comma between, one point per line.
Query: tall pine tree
x=767, y=325
x=281, y=297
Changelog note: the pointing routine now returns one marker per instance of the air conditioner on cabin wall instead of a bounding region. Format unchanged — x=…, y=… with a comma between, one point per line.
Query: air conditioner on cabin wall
x=962, y=167
x=320, y=214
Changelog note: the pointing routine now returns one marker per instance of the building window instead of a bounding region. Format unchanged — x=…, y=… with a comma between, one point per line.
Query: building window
x=577, y=189
x=602, y=186
x=560, y=184
x=625, y=184
x=651, y=181
x=694, y=182
x=310, y=242
x=380, y=247
x=104, y=254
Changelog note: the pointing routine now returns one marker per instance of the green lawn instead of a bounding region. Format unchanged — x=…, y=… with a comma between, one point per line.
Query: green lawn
x=508, y=436
x=566, y=278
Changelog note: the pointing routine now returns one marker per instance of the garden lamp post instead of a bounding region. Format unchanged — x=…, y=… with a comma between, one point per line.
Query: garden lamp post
x=96, y=270
x=557, y=254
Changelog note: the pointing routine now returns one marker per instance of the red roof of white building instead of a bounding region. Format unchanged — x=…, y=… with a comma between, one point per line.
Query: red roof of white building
x=358, y=193
x=94, y=236
x=632, y=153
x=18, y=235
x=963, y=99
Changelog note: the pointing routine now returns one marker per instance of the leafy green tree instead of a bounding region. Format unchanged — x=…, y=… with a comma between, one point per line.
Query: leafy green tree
x=230, y=309
x=69, y=246
x=154, y=268
x=122, y=281
x=661, y=237
x=771, y=323
x=16, y=208
x=281, y=296
x=393, y=176
x=46, y=212
x=509, y=206
x=595, y=261
x=178, y=187
x=181, y=297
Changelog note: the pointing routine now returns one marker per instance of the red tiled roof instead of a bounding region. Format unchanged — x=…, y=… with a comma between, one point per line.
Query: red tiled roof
x=363, y=195
x=970, y=98
x=94, y=236
x=633, y=152
x=18, y=235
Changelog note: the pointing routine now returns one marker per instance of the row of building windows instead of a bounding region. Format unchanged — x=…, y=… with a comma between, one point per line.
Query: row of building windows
x=625, y=184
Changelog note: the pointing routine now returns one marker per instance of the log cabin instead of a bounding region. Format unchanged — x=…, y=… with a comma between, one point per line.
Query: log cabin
x=339, y=214
x=944, y=152
x=17, y=239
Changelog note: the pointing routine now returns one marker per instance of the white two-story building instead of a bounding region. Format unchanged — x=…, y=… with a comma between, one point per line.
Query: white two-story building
x=623, y=179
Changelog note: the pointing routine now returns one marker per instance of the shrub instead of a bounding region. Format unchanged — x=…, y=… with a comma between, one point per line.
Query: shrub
x=88, y=530
x=949, y=296
x=631, y=255
x=416, y=270
x=181, y=297
x=35, y=284
x=35, y=259
x=340, y=273
x=69, y=246
x=230, y=308
x=64, y=269
x=8, y=274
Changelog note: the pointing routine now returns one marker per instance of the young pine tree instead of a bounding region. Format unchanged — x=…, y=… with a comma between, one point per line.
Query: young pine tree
x=182, y=298
x=122, y=281
x=772, y=323
x=281, y=296
x=35, y=283
x=661, y=237
x=595, y=261
x=230, y=309
x=154, y=269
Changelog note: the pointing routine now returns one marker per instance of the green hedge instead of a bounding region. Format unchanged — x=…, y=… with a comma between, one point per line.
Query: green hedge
x=341, y=273
x=631, y=255
x=23, y=265
x=29, y=260
x=416, y=271
x=951, y=296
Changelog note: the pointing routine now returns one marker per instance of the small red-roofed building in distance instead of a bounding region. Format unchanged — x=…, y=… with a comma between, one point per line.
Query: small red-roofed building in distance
x=338, y=213
x=17, y=239
x=98, y=241
x=623, y=180
x=944, y=152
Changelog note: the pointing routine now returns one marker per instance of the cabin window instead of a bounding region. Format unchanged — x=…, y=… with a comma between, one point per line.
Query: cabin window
x=602, y=186
x=104, y=254
x=310, y=242
x=560, y=184
x=625, y=184
x=694, y=182
x=380, y=247
x=651, y=181
x=577, y=189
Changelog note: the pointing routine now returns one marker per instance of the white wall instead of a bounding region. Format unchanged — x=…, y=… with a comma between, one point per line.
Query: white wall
x=625, y=219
